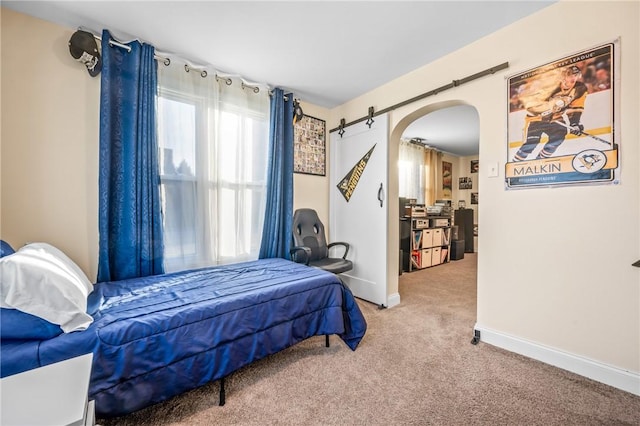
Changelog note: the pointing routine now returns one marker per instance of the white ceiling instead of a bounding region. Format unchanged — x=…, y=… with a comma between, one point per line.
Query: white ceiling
x=454, y=130
x=325, y=52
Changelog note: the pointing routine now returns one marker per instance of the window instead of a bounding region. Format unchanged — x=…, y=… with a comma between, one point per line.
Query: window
x=411, y=170
x=213, y=145
x=177, y=142
x=243, y=181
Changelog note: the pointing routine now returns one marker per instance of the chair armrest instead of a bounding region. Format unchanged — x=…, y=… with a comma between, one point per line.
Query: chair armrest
x=340, y=243
x=294, y=254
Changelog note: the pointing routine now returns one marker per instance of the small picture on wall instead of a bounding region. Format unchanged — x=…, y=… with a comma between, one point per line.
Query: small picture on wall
x=475, y=165
x=447, y=172
x=474, y=198
x=465, y=183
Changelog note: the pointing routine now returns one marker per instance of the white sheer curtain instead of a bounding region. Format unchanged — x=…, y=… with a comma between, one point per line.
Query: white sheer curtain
x=213, y=141
x=411, y=168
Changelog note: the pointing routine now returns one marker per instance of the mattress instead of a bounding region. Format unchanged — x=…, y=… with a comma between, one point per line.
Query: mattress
x=156, y=337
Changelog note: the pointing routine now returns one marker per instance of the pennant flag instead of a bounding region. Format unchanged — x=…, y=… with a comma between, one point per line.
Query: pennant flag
x=348, y=183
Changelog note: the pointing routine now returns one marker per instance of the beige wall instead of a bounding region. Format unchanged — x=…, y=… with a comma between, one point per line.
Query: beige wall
x=50, y=110
x=462, y=168
x=312, y=191
x=553, y=264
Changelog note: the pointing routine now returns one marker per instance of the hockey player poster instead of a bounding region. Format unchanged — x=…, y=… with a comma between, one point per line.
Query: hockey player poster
x=561, y=122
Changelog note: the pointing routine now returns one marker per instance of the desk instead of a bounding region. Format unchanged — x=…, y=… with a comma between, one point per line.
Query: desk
x=55, y=394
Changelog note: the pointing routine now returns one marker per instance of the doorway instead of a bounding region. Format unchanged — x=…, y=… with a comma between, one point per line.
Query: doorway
x=452, y=130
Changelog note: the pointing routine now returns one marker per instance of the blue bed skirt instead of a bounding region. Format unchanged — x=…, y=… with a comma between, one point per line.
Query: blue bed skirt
x=156, y=337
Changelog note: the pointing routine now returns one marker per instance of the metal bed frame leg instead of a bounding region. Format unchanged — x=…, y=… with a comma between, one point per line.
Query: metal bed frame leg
x=222, y=390
x=222, y=396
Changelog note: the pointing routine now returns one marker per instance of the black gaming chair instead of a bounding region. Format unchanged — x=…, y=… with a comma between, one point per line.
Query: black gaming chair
x=309, y=245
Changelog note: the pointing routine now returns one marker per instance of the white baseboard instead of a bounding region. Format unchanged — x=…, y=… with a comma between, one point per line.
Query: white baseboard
x=393, y=300
x=622, y=379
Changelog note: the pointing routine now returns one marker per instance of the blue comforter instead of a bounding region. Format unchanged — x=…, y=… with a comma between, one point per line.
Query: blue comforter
x=156, y=337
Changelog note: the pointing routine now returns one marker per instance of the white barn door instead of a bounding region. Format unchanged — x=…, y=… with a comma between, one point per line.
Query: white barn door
x=358, y=205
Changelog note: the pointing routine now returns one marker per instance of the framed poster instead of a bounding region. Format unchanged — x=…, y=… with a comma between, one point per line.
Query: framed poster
x=309, y=146
x=474, y=198
x=560, y=122
x=475, y=166
x=447, y=179
x=465, y=183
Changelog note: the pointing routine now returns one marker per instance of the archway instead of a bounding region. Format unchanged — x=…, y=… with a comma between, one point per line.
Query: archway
x=399, y=124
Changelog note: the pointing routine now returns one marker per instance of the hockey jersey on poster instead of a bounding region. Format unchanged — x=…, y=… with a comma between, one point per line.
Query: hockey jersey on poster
x=561, y=122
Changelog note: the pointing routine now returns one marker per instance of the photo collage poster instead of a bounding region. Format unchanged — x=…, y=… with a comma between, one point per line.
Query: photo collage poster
x=309, y=146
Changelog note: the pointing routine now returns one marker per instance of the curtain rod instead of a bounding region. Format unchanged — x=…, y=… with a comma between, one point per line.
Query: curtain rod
x=454, y=83
x=420, y=144
x=113, y=42
x=201, y=69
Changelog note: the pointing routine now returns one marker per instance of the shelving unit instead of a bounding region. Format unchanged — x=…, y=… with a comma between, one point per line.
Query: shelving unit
x=430, y=239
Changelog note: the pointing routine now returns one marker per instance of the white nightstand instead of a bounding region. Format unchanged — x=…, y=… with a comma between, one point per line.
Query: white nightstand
x=55, y=394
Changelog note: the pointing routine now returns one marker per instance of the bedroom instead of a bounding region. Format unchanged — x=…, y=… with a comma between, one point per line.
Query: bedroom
x=573, y=314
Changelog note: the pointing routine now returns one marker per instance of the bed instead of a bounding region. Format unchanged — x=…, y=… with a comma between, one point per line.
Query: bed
x=155, y=337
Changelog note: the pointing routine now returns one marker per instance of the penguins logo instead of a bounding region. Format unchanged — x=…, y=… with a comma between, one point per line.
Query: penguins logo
x=589, y=161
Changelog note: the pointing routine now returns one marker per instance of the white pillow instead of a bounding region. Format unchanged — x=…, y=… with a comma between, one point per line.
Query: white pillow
x=41, y=280
x=64, y=260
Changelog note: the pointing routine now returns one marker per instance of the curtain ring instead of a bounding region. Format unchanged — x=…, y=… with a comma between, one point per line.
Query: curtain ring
x=255, y=89
x=186, y=67
x=167, y=61
x=226, y=80
x=203, y=74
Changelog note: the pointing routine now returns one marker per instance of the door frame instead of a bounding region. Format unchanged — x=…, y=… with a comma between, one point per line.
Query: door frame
x=399, y=120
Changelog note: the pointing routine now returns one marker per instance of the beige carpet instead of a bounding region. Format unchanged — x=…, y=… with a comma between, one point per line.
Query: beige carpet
x=415, y=365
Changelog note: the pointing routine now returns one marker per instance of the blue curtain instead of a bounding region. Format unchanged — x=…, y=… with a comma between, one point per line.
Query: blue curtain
x=276, y=233
x=130, y=218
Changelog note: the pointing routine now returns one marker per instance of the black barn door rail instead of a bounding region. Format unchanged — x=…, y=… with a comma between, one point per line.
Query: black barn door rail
x=454, y=83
